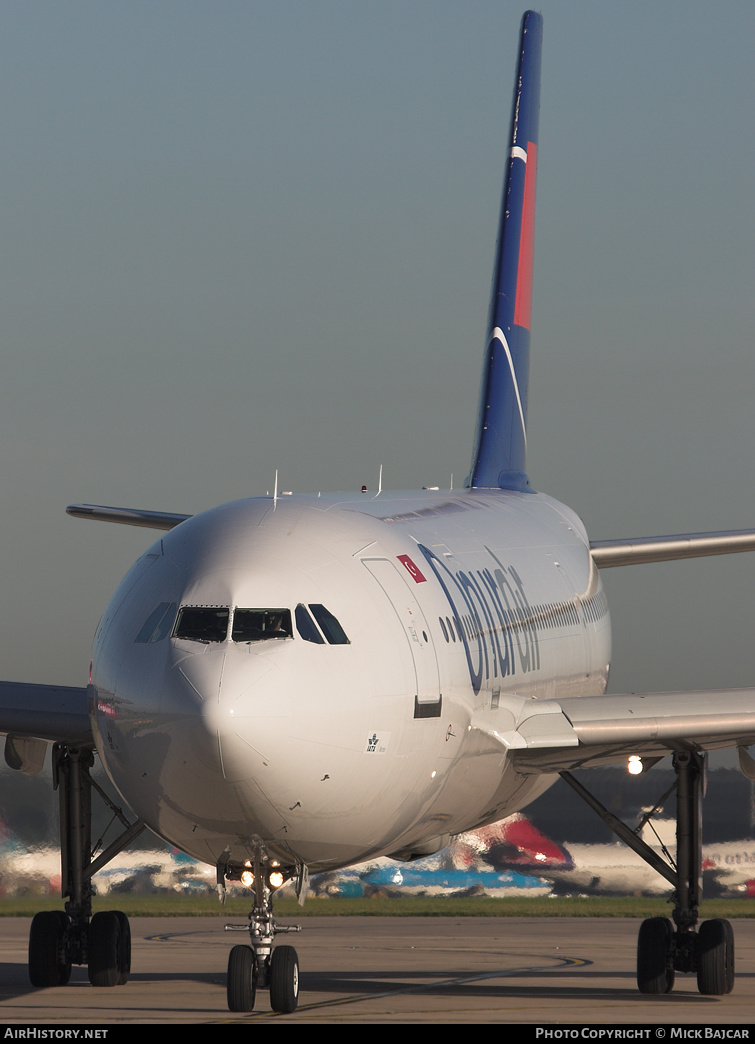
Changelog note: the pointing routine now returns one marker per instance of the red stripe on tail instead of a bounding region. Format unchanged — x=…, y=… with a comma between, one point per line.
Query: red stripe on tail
x=523, y=303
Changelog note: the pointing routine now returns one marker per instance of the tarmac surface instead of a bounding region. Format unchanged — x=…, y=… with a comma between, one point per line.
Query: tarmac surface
x=576, y=972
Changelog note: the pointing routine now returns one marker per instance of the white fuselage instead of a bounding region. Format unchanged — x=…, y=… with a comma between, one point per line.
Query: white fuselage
x=455, y=605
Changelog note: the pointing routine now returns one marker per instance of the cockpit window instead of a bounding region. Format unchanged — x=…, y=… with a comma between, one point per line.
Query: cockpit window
x=202, y=624
x=305, y=625
x=259, y=625
x=329, y=626
x=157, y=624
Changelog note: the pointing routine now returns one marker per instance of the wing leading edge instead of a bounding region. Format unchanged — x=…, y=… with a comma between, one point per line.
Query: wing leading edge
x=575, y=732
x=127, y=516
x=609, y=553
x=53, y=713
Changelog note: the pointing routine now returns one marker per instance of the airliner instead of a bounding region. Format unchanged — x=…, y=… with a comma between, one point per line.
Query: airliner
x=728, y=870
x=508, y=858
x=611, y=869
x=286, y=685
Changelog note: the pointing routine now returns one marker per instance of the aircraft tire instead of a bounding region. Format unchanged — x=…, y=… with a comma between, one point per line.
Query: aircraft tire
x=284, y=980
x=124, y=949
x=715, y=957
x=105, y=949
x=241, y=982
x=655, y=972
x=49, y=962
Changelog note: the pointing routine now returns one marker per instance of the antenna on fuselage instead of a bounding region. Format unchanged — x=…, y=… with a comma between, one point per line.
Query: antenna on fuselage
x=380, y=482
x=275, y=489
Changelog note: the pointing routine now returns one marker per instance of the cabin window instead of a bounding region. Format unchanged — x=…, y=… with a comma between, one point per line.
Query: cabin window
x=259, y=625
x=158, y=623
x=202, y=623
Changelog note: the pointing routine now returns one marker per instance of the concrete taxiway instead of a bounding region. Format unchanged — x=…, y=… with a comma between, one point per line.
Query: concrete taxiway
x=387, y=969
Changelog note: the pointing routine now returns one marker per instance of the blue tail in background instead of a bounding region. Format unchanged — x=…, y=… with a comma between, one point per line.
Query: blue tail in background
x=500, y=454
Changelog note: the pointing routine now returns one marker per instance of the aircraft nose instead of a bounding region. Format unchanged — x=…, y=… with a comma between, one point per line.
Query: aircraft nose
x=201, y=668
x=248, y=708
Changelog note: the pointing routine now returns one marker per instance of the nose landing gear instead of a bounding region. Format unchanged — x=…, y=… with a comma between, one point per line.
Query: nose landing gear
x=259, y=966
x=279, y=973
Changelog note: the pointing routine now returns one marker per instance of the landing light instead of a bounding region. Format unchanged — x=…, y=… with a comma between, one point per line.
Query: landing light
x=634, y=765
x=247, y=878
x=275, y=879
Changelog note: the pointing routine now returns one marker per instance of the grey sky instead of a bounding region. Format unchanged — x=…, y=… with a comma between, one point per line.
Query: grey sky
x=244, y=236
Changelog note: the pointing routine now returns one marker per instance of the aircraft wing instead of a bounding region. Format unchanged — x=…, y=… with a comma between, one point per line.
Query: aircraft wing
x=609, y=553
x=127, y=516
x=53, y=713
x=553, y=735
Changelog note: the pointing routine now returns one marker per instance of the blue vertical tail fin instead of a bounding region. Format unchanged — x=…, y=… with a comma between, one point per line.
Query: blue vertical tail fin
x=500, y=451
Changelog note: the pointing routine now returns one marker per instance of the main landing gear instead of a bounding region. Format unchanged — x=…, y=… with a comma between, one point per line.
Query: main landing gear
x=259, y=966
x=663, y=947
x=58, y=939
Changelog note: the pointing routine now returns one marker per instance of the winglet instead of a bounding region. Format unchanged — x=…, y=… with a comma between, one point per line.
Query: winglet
x=499, y=458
